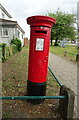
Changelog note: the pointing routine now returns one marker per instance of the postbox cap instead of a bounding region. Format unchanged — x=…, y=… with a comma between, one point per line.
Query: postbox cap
x=40, y=20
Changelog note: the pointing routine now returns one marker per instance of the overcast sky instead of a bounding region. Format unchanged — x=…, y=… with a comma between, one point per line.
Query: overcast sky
x=21, y=9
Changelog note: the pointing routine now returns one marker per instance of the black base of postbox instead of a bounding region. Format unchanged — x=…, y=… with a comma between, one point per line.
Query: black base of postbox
x=36, y=89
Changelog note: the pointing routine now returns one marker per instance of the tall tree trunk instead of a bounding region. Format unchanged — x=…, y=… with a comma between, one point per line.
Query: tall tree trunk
x=51, y=41
x=56, y=44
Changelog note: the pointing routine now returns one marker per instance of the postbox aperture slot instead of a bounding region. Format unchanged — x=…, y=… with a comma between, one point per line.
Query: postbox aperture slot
x=40, y=31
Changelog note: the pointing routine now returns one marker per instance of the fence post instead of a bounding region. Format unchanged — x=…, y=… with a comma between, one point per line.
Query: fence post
x=66, y=106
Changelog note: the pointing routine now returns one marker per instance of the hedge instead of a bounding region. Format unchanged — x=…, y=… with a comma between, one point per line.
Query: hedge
x=14, y=48
x=17, y=42
x=7, y=51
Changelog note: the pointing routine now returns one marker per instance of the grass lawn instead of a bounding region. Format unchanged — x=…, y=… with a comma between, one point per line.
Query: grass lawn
x=14, y=82
x=60, y=51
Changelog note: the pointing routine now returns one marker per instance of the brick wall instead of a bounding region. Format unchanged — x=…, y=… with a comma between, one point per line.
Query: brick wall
x=26, y=41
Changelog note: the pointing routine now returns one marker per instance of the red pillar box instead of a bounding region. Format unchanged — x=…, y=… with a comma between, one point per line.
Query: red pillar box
x=40, y=29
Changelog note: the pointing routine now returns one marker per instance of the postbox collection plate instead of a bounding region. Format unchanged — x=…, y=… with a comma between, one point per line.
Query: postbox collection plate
x=39, y=44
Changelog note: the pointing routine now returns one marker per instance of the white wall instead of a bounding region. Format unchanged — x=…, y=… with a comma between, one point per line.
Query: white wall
x=5, y=40
x=12, y=32
x=20, y=36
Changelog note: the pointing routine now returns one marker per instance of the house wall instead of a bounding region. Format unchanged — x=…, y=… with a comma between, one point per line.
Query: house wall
x=11, y=32
x=20, y=36
x=14, y=32
x=5, y=40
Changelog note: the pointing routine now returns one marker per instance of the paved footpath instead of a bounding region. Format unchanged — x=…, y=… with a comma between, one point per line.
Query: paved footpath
x=66, y=72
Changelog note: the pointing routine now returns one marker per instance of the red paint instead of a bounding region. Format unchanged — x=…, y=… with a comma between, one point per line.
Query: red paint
x=40, y=27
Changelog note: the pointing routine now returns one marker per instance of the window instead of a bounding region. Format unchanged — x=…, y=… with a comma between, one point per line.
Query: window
x=18, y=34
x=3, y=16
x=0, y=31
x=22, y=36
x=5, y=31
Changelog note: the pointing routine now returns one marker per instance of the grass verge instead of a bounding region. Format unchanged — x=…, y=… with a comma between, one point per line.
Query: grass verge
x=14, y=84
x=60, y=51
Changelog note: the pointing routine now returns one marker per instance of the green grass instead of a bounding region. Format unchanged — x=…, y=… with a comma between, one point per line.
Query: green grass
x=60, y=51
x=16, y=74
x=14, y=83
x=52, y=86
x=0, y=54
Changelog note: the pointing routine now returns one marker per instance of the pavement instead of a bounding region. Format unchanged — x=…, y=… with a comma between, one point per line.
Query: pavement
x=67, y=74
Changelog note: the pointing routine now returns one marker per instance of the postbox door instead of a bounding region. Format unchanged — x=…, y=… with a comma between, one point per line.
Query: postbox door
x=38, y=59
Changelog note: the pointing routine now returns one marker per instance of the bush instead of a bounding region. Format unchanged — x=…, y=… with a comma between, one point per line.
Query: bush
x=0, y=44
x=3, y=49
x=0, y=51
x=14, y=48
x=3, y=45
x=7, y=51
x=17, y=42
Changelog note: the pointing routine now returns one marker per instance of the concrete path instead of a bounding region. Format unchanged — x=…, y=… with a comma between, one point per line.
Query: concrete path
x=66, y=72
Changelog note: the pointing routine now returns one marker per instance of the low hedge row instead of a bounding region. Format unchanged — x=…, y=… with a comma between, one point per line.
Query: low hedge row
x=6, y=51
x=18, y=44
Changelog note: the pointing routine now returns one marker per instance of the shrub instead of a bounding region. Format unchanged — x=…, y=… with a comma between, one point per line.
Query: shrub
x=3, y=49
x=17, y=42
x=0, y=51
x=7, y=51
x=0, y=44
x=14, y=48
x=3, y=45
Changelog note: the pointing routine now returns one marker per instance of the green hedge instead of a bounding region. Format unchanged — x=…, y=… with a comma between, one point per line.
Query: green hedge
x=0, y=51
x=14, y=48
x=3, y=47
x=6, y=51
x=17, y=42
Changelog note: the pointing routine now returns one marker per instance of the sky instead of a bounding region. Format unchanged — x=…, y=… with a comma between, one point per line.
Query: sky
x=20, y=10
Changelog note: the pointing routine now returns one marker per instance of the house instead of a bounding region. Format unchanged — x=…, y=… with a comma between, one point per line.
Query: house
x=9, y=28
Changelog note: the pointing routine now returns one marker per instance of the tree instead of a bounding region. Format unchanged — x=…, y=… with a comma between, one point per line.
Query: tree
x=64, y=26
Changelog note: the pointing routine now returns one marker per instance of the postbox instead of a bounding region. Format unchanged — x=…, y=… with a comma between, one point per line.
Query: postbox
x=40, y=29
